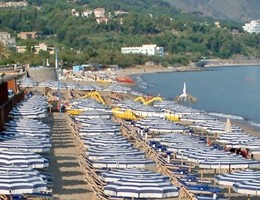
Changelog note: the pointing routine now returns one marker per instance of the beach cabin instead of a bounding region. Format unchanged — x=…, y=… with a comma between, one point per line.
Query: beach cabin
x=8, y=99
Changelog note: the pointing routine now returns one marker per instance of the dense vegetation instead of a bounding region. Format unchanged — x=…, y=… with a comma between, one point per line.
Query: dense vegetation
x=186, y=37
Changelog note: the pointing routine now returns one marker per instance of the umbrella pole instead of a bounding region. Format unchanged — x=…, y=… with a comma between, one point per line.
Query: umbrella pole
x=229, y=192
x=248, y=197
x=201, y=176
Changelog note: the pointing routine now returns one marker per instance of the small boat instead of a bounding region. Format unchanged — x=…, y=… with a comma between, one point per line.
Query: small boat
x=125, y=79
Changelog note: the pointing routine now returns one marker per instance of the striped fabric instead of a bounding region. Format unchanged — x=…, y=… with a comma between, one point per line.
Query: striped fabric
x=141, y=187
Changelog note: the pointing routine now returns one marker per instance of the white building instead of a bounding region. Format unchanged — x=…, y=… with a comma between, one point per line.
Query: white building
x=147, y=49
x=252, y=27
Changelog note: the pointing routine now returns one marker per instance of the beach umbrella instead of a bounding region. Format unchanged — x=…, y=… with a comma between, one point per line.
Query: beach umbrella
x=27, y=133
x=99, y=152
x=141, y=187
x=254, y=144
x=196, y=117
x=168, y=128
x=23, y=145
x=184, y=97
x=117, y=174
x=18, y=183
x=251, y=187
x=98, y=129
x=179, y=147
x=99, y=121
x=28, y=123
x=206, y=154
x=16, y=169
x=44, y=141
x=235, y=139
x=122, y=161
x=229, y=162
x=28, y=82
x=104, y=140
x=23, y=158
x=93, y=114
x=238, y=176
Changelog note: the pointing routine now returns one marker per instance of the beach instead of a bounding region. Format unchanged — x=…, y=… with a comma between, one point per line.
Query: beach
x=69, y=181
x=148, y=69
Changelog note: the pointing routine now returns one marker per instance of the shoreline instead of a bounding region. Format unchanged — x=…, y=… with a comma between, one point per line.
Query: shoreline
x=232, y=65
x=151, y=69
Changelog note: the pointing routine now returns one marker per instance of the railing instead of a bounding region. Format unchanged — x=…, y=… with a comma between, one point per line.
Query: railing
x=8, y=106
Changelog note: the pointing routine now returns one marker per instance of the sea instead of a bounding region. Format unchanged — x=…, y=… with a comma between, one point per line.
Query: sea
x=225, y=92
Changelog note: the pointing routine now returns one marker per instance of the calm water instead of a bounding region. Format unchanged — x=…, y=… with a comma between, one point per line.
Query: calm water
x=228, y=91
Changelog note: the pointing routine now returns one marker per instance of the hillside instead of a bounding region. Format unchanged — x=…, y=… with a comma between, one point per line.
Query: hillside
x=186, y=37
x=237, y=10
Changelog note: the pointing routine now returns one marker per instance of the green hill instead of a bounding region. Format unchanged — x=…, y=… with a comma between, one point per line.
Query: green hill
x=237, y=10
x=185, y=36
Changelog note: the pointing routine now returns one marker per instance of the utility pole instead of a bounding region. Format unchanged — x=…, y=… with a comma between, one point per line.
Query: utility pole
x=58, y=71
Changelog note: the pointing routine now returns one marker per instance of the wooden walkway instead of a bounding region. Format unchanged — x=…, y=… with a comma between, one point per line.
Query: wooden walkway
x=68, y=178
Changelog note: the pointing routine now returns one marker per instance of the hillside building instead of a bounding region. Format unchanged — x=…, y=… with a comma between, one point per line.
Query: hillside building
x=28, y=35
x=87, y=13
x=7, y=40
x=147, y=49
x=99, y=12
x=252, y=27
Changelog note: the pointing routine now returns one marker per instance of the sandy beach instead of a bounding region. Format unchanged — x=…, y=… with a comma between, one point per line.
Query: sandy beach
x=148, y=69
x=69, y=177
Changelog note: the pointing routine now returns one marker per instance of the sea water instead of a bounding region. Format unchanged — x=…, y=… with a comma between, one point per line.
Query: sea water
x=232, y=92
